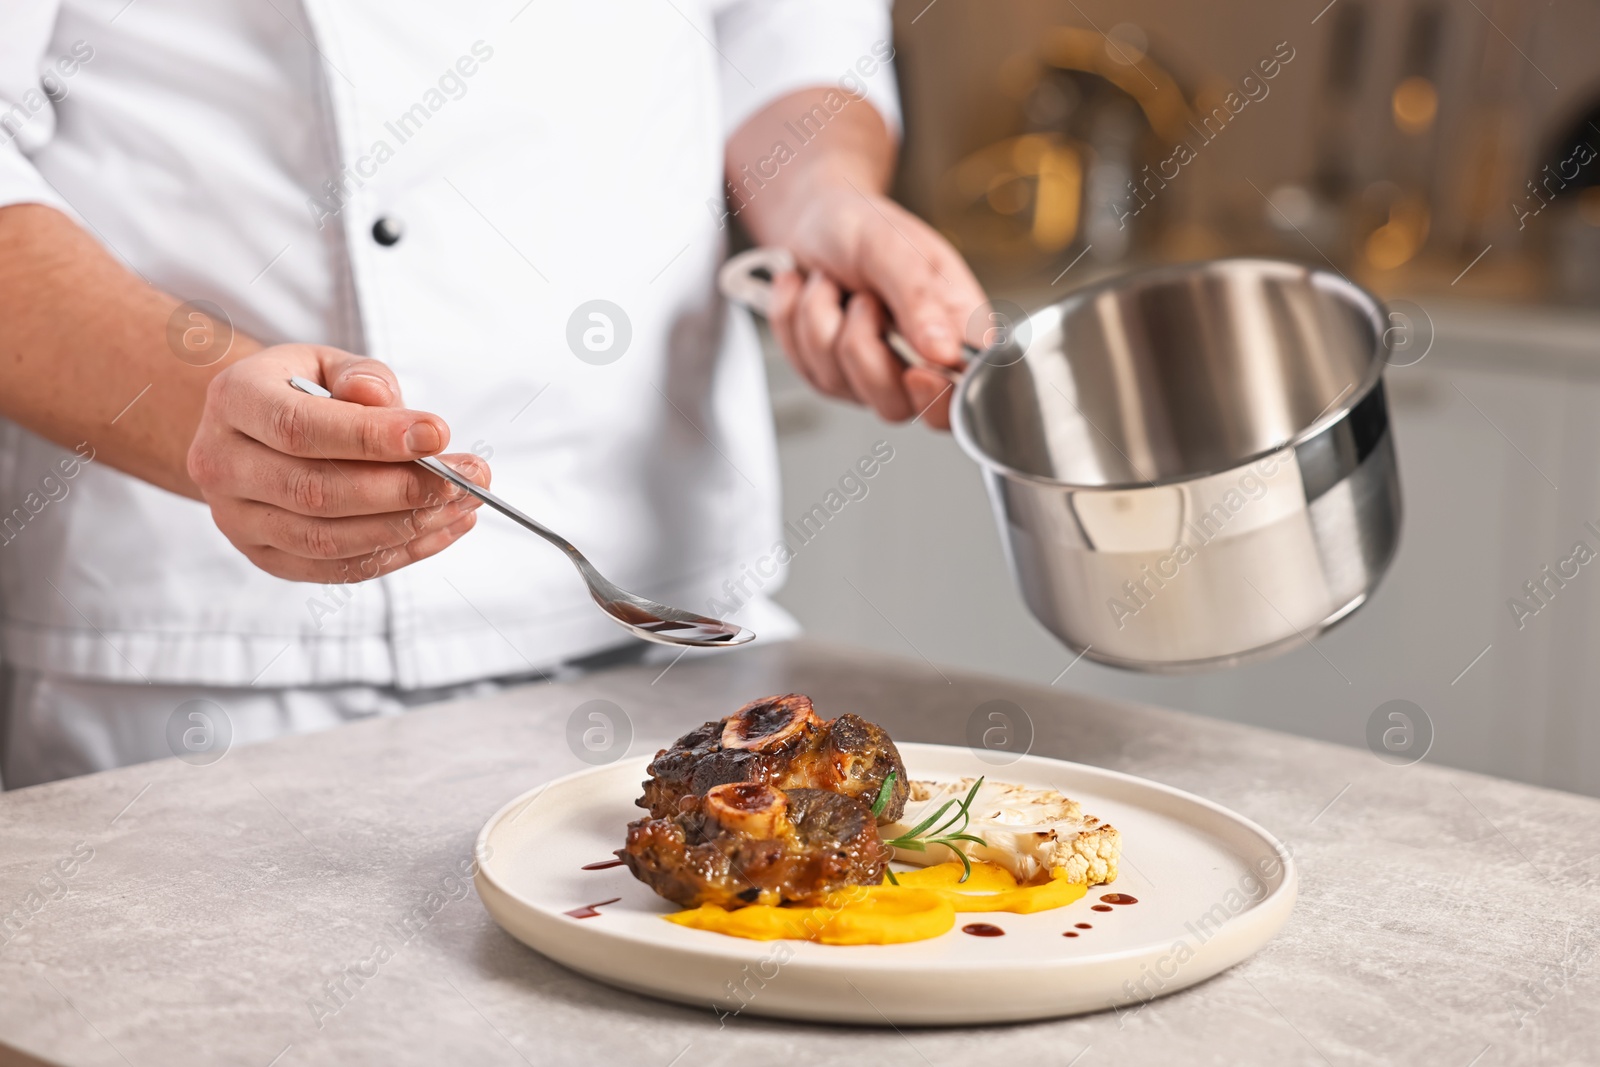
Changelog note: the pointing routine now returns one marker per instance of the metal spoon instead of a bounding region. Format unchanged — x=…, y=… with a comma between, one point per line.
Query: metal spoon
x=641, y=617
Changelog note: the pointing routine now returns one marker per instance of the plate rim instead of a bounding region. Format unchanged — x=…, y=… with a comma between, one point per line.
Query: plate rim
x=1281, y=897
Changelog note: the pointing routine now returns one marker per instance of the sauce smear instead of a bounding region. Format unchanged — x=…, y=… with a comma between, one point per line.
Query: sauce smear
x=983, y=930
x=1083, y=926
x=601, y=865
x=1070, y=933
x=588, y=910
x=1119, y=898
x=1100, y=907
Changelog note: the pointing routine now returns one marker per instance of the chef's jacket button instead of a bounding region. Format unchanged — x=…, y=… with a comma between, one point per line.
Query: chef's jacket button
x=387, y=231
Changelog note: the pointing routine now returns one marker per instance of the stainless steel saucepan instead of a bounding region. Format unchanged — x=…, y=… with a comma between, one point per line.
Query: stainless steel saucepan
x=1190, y=465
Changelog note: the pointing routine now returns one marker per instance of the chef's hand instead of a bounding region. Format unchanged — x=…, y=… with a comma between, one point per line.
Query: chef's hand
x=894, y=267
x=319, y=490
x=823, y=200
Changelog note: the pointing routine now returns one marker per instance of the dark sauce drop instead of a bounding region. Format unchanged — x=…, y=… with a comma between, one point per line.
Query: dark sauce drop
x=1101, y=907
x=1070, y=933
x=982, y=930
x=1083, y=926
x=1119, y=898
x=588, y=910
x=601, y=865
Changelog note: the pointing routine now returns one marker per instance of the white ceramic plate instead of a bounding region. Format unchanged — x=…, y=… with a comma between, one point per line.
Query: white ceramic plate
x=1212, y=887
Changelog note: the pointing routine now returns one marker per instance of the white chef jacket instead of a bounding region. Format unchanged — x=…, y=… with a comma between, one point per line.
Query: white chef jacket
x=533, y=157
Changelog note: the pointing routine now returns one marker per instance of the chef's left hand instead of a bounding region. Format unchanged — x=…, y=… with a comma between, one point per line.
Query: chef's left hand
x=895, y=267
x=824, y=202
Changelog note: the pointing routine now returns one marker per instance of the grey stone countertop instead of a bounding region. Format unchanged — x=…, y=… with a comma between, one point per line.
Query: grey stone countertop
x=167, y=914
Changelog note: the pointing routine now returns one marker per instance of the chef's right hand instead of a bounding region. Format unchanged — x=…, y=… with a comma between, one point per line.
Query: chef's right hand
x=319, y=490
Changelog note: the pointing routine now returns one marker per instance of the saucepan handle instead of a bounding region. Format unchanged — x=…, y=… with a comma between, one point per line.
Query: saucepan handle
x=746, y=279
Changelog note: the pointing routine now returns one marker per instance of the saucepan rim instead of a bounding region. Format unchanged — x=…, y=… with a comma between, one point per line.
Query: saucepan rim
x=1316, y=276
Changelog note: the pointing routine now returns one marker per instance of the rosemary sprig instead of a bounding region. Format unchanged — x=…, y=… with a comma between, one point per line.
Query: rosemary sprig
x=885, y=791
x=935, y=829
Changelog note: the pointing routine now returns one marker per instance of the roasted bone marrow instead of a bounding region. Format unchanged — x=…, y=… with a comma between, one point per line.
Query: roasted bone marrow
x=779, y=741
x=751, y=843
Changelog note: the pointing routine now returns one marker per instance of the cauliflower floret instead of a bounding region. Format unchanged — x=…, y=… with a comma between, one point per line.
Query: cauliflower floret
x=1030, y=832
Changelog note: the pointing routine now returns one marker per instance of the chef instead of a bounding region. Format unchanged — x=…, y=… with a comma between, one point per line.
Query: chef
x=491, y=229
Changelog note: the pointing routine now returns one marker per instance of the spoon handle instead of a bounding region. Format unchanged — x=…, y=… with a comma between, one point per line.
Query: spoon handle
x=516, y=516
x=429, y=463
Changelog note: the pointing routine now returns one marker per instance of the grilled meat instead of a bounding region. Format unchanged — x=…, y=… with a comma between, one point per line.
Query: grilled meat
x=778, y=741
x=749, y=843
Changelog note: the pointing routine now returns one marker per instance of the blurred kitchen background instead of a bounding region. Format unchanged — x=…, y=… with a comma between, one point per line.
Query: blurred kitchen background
x=1442, y=154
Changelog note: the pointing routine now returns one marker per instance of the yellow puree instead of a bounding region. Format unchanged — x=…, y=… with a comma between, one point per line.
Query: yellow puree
x=923, y=905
